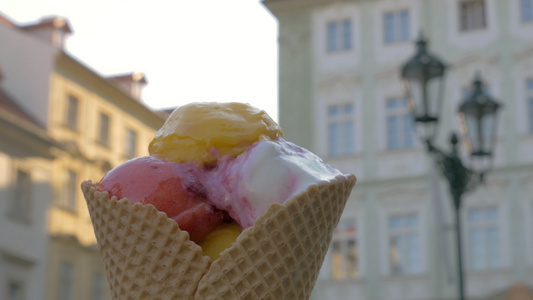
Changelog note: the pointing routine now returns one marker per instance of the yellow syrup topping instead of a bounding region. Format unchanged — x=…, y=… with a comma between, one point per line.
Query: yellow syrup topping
x=205, y=132
x=220, y=239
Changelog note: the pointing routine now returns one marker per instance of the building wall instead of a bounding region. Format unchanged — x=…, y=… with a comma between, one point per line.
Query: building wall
x=26, y=62
x=89, y=159
x=295, y=51
x=23, y=237
x=87, y=271
x=405, y=181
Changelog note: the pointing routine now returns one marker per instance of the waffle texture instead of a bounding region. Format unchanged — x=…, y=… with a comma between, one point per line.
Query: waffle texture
x=147, y=256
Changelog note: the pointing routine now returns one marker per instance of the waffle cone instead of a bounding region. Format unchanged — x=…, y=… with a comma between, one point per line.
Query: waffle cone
x=147, y=256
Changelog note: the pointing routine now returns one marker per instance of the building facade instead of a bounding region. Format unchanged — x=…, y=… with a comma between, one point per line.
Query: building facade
x=341, y=95
x=26, y=156
x=94, y=124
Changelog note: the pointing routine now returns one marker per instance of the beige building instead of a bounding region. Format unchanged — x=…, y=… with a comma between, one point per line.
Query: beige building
x=93, y=124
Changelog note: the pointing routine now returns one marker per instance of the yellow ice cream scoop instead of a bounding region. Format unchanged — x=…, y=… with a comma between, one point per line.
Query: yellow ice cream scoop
x=219, y=239
x=205, y=132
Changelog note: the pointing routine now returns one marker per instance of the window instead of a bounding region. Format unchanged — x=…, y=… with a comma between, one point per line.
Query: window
x=400, y=131
x=70, y=186
x=339, y=36
x=472, y=15
x=344, y=256
x=341, y=131
x=483, y=238
x=15, y=290
x=529, y=101
x=131, y=143
x=98, y=285
x=396, y=26
x=20, y=206
x=103, y=133
x=72, y=111
x=526, y=11
x=66, y=281
x=404, y=244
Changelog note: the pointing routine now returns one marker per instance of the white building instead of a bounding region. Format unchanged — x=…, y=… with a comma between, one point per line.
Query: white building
x=340, y=95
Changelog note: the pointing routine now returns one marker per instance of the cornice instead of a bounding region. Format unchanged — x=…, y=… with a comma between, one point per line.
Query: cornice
x=277, y=7
x=473, y=58
x=335, y=82
x=524, y=54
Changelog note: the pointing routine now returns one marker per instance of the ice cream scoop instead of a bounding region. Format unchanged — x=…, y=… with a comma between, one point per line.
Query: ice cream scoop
x=171, y=187
x=205, y=132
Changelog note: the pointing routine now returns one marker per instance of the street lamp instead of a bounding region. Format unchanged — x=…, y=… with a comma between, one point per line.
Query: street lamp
x=424, y=83
x=423, y=77
x=478, y=118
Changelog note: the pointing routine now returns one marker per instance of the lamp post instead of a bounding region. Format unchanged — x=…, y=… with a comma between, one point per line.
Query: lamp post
x=423, y=77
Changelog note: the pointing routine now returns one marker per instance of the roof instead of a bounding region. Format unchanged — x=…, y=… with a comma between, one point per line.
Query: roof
x=133, y=76
x=63, y=59
x=52, y=21
x=4, y=20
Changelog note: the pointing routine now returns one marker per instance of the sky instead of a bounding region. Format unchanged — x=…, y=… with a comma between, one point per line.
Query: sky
x=201, y=50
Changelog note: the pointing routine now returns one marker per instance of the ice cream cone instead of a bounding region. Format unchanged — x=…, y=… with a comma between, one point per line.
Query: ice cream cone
x=147, y=256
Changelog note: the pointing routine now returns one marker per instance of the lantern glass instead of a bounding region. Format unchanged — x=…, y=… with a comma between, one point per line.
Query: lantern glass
x=478, y=118
x=424, y=98
x=423, y=78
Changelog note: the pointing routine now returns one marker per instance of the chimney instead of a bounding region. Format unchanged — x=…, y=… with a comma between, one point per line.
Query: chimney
x=53, y=29
x=131, y=83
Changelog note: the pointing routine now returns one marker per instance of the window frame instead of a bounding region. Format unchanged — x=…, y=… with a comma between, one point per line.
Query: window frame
x=104, y=132
x=66, y=283
x=469, y=18
x=346, y=146
x=403, y=115
x=485, y=226
x=339, y=35
x=17, y=269
x=67, y=199
x=403, y=233
x=131, y=144
x=344, y=238
x=72, y=111
x=24, y=215
x=399, y=33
